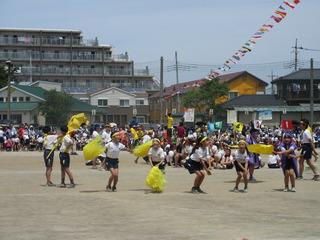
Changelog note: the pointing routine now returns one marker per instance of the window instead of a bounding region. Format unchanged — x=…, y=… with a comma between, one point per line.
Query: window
x=102, y=102
x=124, y=102
x=1, y=99
x=20, y=99
x=27, y=99
x=139, y=102
x=233, y=95
x=14, y=99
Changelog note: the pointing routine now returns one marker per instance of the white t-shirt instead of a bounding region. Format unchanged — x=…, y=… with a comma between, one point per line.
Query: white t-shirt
x=113, y=149
x=188, y=149
x=95, y=134
x=240, y=157
x=146, y=138
x=157, y=155
x=273, y=159
x=106, y=137
x=214, y=150
x=1, y=133
x=66, y=144
x=200, y=153
x=49, y=141
x=306, y=136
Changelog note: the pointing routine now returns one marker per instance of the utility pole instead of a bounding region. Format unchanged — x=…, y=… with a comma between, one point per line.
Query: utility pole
x=9, y=64
x=311, y=91
x=161, y=91
x=296, y=56
x=272, y=76
x=177, y=78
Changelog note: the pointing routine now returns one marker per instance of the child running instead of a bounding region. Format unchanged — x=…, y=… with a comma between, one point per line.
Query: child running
x=66, y=145
x=157, y=155
x=48, y=154
x=288, y=162
x=241, y=158
x=197, y=163
x=113, y=149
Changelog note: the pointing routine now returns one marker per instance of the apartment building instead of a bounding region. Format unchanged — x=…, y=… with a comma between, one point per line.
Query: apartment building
x=66, y=57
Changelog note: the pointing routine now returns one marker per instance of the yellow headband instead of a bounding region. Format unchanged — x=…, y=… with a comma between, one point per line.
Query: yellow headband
x=115, y=134
x=155, y=140
x=204, y=139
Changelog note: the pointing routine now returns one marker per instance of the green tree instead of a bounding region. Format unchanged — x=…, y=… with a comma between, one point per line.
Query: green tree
x=56, y=107
x=204, y=97
x=3, y=77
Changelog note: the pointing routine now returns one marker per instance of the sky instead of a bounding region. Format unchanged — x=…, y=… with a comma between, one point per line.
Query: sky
x=205, y=32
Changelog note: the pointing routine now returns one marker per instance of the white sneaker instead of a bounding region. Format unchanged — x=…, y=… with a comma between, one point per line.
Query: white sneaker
x=236, y=190
x=286, y=190
x=293, y=189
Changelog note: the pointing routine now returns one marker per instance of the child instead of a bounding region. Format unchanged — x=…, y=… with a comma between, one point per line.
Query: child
x=157, y=155
x=66, y=145
x=288, y=162
x=197, y=163
x=241, y=158
x=113, y=149
x=48, y=154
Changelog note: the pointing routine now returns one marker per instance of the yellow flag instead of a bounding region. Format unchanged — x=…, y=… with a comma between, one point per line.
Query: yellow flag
x=260, y=148
x=76, y=121
x=238, y=126
x=143, y=149
x=93, y=149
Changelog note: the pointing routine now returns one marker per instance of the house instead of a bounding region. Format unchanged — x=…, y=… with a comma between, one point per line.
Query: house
x=120, y=106
x=295, y=87
x=246, y=108
x=25, y=105
x=239, y=83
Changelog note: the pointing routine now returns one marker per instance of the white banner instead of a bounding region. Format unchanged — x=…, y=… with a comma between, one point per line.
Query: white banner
x=189, y=115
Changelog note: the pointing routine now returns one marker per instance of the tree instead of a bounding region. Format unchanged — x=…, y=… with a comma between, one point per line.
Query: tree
x=3, y=76
x=204, y=97
x=56, y=107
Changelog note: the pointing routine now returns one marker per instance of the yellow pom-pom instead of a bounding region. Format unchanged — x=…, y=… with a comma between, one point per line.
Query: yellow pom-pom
x=93, y=149
x=143, y=149
x=155, y=180
x=260, y=148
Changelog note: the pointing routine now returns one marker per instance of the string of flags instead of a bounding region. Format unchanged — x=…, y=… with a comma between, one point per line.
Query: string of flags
x=278, y=15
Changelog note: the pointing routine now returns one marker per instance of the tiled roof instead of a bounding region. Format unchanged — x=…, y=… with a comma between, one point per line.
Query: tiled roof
x=254, y=101
x=36, y=91
x=302, y=74
x=185, y=86
x=16, y=106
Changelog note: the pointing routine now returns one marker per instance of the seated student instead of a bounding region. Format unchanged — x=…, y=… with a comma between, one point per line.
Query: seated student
x=274, y=161
x=8, y=144
x=218, y=156
x=186, y=150
x=227, y=159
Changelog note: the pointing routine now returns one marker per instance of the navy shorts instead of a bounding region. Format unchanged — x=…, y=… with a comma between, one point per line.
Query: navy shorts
x=112, y=162
x=64, y=159
x=306, y=151
x=193, y=166
x=162, y=166
x=238, y=167
x=48, y=161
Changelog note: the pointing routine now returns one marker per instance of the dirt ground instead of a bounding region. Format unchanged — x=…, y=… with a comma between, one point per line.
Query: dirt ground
x=30, y=210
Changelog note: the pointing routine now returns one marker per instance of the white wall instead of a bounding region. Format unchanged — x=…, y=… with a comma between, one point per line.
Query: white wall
x=113, y=96
x=17, y=93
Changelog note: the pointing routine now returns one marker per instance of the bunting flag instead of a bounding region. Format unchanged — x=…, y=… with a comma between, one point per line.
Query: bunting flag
x=238, y=126
x=278, y=15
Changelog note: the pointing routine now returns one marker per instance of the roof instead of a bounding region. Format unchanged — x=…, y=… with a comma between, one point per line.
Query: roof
x=254, y=101
x=39, y=30
x=19, y=106
x=226, y=78
x=185, y=86
x=79, y=106
x=37, y=92
x=112, y=88
x=301, y=74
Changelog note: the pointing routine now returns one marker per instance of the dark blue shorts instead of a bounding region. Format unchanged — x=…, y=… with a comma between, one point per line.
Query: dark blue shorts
x=306, y=151
x=64, y=159
x=48, y=161
x=193, y=166
x=112, y=162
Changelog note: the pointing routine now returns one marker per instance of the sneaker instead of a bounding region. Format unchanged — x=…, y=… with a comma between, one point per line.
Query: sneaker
x=286, y=189
x=194, y=190
x=293, y=189
x=72, y=185
x=252, y=179
x=245, y=190
x=62, y=185
x=50, y=184
x=316, y=178
x=299, y=178
x=114, y=189
x=108, y=189
x=199, y=190
x=235, y=190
